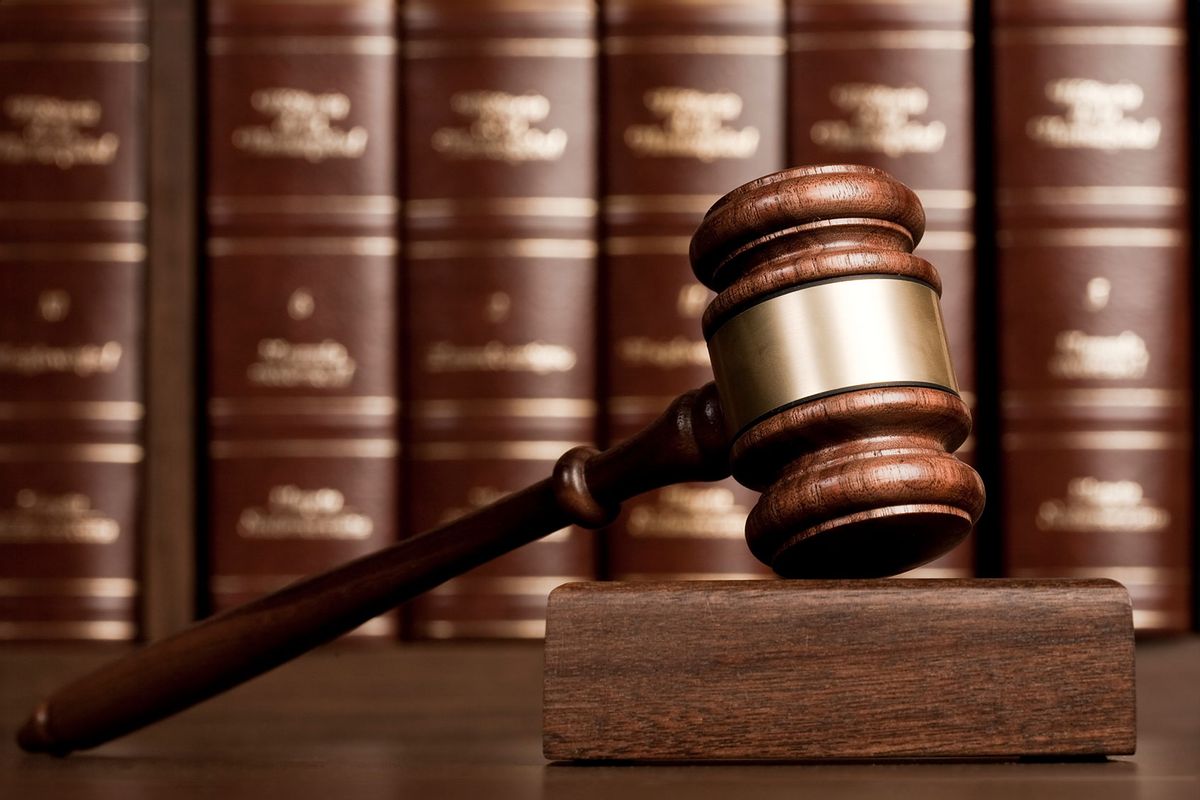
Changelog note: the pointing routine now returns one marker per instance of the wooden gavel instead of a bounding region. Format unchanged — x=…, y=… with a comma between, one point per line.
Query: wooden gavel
x=833, y=384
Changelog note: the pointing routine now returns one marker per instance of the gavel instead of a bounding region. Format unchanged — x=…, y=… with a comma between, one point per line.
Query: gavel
x=835, y=397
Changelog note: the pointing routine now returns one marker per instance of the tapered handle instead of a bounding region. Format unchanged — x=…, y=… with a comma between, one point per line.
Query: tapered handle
x=686, y=443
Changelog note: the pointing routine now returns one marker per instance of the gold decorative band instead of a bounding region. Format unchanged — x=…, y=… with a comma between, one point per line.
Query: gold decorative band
x=367, y=406
x=532, y=450
x=1097, y=440
x=69, y=587
x=115, y=210
x=304, y=204
x=303, y=246
x=827, y=338
x=481, y=629
x=554, y=407
x=121, y=252
x=74, y=51
x=110, y=630
x=502, y=248
x=884, y=40
x=1141, y=35
x=98, y=453
x=695, y=45
x=106, y=410
x=1094, y=195
x=947, y=240
x=303, y=45
x=502, y=48
x=647, y=245
x=438, y=207
x=659, y=203
x=1093, y=237
x=304, y=448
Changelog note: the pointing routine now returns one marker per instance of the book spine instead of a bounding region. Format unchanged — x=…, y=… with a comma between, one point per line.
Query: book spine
x=889, y=85
x=1093, y=272
x=301, y=283
x=693, y=106
x=500, y=209
x=72, y=271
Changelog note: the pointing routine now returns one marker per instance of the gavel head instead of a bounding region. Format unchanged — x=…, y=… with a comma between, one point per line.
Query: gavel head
x=833, y=372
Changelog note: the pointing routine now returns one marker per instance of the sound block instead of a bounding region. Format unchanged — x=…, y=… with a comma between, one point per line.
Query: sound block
x=823, y=670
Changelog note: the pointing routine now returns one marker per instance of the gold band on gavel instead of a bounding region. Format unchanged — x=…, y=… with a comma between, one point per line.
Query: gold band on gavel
x=826, y=338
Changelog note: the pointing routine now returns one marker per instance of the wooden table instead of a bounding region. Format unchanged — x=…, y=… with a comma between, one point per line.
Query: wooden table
x=463, y=720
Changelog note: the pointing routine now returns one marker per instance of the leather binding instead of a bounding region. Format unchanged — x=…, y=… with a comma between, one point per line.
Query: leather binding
x=693, y=106
x=1093, y=272
x=72, y=271
x=500, y=211
x=890, y=85
x=302, y=357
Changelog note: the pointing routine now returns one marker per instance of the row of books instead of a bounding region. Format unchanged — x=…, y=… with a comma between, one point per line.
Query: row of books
x=446, y=240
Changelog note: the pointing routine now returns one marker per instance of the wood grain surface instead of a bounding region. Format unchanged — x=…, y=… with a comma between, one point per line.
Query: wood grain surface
x=818, y=670
x=464, y=721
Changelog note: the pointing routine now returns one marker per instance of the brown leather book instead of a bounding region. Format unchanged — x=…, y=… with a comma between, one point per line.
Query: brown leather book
x=301, y=281
x=500, y=211
x=890, y=85
x=1094, y=287
x=693, y=106
x=72, y=271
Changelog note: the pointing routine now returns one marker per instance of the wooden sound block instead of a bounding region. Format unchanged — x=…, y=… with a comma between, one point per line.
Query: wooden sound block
x=816, y=670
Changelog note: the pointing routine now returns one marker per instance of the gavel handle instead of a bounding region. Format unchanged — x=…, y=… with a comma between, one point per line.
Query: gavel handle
x=687, y=443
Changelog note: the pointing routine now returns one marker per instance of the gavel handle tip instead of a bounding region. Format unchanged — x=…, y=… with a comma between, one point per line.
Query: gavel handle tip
x=35, y=736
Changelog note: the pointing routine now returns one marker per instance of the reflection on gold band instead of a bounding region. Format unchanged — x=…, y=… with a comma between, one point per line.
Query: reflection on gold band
x=101, y=453
x=121, y=252
x=502, y=48
x=951, y=199
x=829, y=337
x=438, y=207
x=304, y=204
x=68, y=587
x=1096, y=398
x=1121, y=574
x=108, y=411
x=1094, y=195
x=110, y=630
x=481, y=629
x=1096, y=440
x=536, y=585
x=304, y=448
x=1094, y=237
x=303, y=246
x=552, y=407
x=503, y=248
x=492, y=451
x=644, y=577
x=639, y=404
x=884, y=40
x=304, y=406
x=303, y=45
x=1144, y=35
x=946, y=240
x=695, y=45
x=114, y=211
x=659, y=203
x=647, y=245
x=74, y=51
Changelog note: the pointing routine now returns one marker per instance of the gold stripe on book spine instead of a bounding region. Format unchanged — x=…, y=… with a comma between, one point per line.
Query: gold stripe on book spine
x=98, y=453
x=659, y=203
x=939, y=573
x=533, y=585
x=1094, y=195
x=463, y=629
x=115, y=211
x=947, y=199
x=106, y=410
x=647, y=245
x=552, y=407
x=118, y=252
x=438, y=207
x=304, y=204
x=672, y=575
x=1148, y=618
x=639, y=404
x=1093, y=237
x=303, y=45
x=502, y=248
x=1097, y=440
x=68, y=587
x=1115, y=397
x=371, y=406
x=1132, y=35
x=126, y=52
x=956, y=241
x=303, y=448
x=492, y=451
x=382, y=246
x=110, y=630
x=883, y=40
x=518, y=47
x=1147, y=576
x=695, y=45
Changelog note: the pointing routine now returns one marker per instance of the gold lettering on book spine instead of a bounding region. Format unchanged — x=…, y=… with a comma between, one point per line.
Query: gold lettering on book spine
x=301, y=127
x=880, y=121
x=1081, y=355
x=702, y=512
x=1094, y=505
x=1095, y=117
x=501, y=129
x=50, y=133
x=540, y=358
x=320, y=365
x=83, y=360
x=692, y=125
x=68, y=518
x=680, y=351
x=295, y=513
